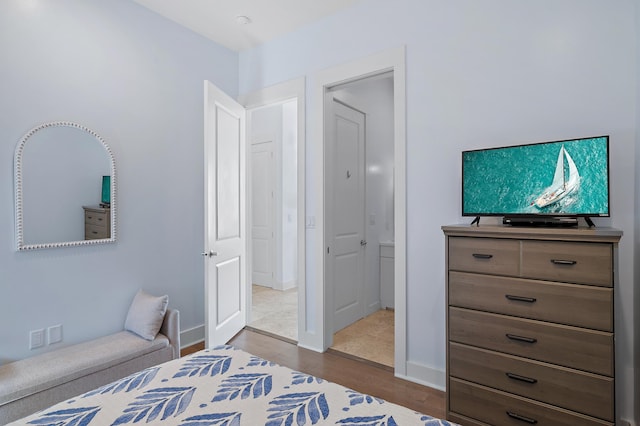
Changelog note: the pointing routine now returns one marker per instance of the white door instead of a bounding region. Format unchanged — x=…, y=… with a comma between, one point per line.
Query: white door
x=262, y=205
x=347, y=210
x=224, y=210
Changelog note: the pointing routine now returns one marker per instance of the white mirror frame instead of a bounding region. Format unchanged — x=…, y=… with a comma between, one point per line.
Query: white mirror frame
x=20, y=245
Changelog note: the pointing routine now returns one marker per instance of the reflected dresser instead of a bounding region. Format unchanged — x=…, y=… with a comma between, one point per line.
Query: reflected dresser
x=97, y=222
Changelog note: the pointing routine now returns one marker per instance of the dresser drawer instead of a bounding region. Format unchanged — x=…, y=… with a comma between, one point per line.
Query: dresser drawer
x=585, y=393
x=586, y=263
x=572, y=347
x=484, y=255
x=499, y=408
x=95, y=232
x=572, y=304
x=96, y=218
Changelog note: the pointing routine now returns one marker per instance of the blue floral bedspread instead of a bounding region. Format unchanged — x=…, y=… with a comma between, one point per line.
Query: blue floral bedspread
x=225, y=386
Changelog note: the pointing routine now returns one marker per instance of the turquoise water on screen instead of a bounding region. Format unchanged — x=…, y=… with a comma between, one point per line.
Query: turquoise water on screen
x=508, y=180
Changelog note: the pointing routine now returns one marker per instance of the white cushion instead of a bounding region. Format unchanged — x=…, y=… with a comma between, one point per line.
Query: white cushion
x=146, y=314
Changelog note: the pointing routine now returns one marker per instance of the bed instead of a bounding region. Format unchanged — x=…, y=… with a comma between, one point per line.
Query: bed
x=225, y=386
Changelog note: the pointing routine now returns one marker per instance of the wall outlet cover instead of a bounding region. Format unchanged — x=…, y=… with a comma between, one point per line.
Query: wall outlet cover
x=36, y=339
x=55, y=334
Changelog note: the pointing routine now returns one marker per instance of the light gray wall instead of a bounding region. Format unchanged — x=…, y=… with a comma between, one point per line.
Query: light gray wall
x=137, y=80
x=288, y=213
x=636, y=235
x=483, y=74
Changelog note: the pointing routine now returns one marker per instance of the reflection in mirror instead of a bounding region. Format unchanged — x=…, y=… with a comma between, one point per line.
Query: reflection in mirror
x=60, y=171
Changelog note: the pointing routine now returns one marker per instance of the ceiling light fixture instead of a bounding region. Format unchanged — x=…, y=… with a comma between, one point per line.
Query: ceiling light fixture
x=243, y=20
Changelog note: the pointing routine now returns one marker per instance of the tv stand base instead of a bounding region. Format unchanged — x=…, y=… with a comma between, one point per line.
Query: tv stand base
x=546, y=221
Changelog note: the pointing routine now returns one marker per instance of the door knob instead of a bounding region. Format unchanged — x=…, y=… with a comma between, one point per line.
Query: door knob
x=211, y=253
x=363, y=243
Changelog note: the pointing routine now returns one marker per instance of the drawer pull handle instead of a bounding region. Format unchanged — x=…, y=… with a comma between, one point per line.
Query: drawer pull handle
x=482, y=256
x=521, y=378
x=522, y=418
x=520, y=298
x=521, y=338
x=99, y=218
x=563, y=262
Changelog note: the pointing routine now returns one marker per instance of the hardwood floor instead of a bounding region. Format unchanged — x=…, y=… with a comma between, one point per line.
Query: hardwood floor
x=191, y=349
x=359, y=376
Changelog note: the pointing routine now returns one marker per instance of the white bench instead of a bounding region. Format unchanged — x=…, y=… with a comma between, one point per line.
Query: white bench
x=35, y=383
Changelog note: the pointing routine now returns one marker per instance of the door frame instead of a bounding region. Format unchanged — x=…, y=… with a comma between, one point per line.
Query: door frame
x=280, y=93
x=390, y=60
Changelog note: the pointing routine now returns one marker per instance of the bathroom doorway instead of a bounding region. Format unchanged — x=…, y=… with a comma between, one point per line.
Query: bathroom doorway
x=368, y=332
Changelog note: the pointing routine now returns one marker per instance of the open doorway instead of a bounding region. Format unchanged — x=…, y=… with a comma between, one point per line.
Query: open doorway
x=276, y=195
x=320, y=337
x=359, y=137
x=228, y=206
x=272, y=142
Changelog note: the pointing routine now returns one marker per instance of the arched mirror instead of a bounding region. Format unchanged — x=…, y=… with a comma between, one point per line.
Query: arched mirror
x=65, y=188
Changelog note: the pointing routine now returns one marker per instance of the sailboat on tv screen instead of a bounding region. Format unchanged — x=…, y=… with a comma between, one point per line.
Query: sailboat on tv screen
x=562, y=184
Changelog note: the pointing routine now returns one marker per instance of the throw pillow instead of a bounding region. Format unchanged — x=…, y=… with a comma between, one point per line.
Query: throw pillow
x=146, y=314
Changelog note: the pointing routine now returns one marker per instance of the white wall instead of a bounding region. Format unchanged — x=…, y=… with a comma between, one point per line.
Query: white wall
x=636, y=235
x=482, y=74
x=289, y=210
x=137, y=80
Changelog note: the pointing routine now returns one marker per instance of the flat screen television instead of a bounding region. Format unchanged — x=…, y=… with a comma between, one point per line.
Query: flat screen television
x=558, y=179
x=105, y=198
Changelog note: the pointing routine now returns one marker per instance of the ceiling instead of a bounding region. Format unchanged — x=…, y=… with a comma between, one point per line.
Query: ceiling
x=217, y=19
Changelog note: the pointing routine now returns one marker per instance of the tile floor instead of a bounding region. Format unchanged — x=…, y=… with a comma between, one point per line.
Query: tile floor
x=370, y=339
x=275, y=312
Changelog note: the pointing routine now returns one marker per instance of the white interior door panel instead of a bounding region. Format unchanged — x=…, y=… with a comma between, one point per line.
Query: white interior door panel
x=225, y=217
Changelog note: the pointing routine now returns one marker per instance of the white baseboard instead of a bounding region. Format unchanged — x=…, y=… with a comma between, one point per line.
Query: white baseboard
x=283, y=286
x=373, y=308
x=191, y=336
x=425, y=376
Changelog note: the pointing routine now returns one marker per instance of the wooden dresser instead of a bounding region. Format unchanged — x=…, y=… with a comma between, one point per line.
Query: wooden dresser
x=97, y=222
x=530, y=333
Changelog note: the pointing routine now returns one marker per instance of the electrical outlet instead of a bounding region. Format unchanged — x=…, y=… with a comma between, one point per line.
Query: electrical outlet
x=36, y=338
x=54, y=333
